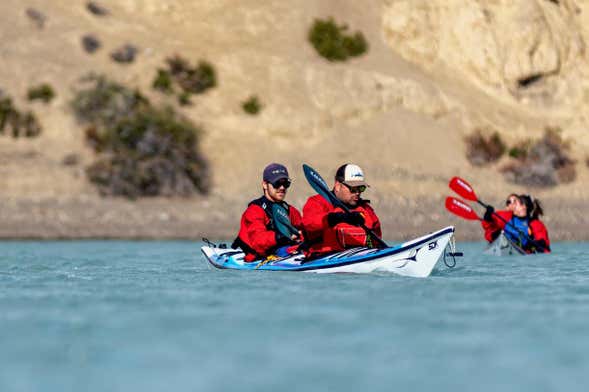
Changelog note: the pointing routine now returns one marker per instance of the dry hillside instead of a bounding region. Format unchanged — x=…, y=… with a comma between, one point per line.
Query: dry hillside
x=434, y=72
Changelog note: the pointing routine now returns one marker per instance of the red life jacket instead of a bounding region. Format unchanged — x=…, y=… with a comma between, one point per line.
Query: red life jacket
x=257, y=234
x=343, y=235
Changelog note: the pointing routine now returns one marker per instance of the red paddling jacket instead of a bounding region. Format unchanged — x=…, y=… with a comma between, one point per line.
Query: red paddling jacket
x=257, y=234
x=343, y=235
x=540, y=234
x=493, y=229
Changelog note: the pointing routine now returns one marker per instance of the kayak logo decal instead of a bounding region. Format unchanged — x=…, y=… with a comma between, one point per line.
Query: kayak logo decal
x=411, y=257
x=432, y=245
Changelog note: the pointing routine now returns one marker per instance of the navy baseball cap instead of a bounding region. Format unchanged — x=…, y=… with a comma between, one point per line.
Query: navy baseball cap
x=274, y=172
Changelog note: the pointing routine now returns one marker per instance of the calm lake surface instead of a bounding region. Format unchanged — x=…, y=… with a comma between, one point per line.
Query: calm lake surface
x=152, y=316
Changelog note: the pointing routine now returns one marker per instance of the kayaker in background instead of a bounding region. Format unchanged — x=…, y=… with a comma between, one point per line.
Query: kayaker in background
x=519, y=229
x=536, y=228
x=258, y=236
x=329, y=228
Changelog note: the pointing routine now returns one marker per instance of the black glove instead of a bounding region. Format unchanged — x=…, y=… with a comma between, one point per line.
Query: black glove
x=282, y=240
x=353, y=218
x=489, y=214
x=538, y=244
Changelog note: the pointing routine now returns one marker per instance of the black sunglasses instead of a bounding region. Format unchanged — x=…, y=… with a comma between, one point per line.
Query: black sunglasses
x=282, y=182
x=355, y=189
x=509, y=201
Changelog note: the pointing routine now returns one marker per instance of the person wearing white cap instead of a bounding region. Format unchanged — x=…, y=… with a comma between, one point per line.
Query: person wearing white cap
x=329, y=228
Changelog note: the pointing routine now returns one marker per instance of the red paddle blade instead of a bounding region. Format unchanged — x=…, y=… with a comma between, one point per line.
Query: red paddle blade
x=460, y=208
x=462, y=188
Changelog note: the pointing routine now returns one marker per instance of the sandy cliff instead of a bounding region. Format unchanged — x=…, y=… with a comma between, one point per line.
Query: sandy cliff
x=435, y=70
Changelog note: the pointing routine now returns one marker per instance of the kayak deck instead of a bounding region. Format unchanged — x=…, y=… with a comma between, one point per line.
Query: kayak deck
x=502, y=246
x=415, y=258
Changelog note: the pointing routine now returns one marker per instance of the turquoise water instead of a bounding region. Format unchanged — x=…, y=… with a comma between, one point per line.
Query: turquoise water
x=151, y=316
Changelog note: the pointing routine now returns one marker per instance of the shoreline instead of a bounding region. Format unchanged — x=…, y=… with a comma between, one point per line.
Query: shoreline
x=97, y=218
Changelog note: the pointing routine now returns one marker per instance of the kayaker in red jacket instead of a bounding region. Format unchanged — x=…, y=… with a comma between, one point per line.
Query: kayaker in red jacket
x=258, y=236
x=492, y=226
x=329, y=228
x=538, y=230
x=524, y=226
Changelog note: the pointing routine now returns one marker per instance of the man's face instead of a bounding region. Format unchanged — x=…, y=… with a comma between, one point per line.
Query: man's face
x=349, y=195
x=276, y=191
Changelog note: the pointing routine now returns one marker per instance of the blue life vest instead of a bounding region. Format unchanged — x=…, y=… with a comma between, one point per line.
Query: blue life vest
x=517, y=231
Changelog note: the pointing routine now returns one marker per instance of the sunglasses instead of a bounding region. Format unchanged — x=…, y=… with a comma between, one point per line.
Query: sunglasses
x=509, y=202
x=355, y=189
x=283, y=182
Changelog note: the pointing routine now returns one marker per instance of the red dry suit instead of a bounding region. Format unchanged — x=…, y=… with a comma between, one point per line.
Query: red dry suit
x=540, y=234
x=493, y=229
x=343, y=235
x=257, y=234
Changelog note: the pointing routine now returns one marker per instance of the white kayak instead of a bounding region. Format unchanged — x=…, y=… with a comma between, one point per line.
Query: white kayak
x=415, y=258
x=502, y=246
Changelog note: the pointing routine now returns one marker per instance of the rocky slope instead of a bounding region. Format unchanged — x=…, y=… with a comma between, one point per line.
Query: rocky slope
x=435, y=71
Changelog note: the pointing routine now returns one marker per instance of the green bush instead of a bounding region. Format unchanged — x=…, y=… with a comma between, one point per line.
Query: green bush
x=142, y=150
x=190, y=79
x=184, y=99
x=252, y=105
x=332, y=42
x=163, y=82
x=518, y=152
x=21, y=124
x=194, y=80
x=43, y=92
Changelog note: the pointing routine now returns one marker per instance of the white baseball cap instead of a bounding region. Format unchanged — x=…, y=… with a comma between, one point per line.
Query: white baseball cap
x=351, y=175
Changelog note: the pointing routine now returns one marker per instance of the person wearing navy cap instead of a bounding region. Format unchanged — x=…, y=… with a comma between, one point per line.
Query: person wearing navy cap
x=258, y=236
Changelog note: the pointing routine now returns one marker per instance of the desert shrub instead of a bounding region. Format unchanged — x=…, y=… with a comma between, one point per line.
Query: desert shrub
x=96, y=9
x=163, y=82
x=194, y=80
x=105, y=102
x=142, y=150
x=43, y=92
x=90, y=43
x=124, y=54
x=21, y=124
x=518, y=152
x=190, y=79
x=36, y=17
x=252, y=105
x=547, y=162
x=481, y=150
x=184, y=99
x=70, y=160
x=332, y=42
